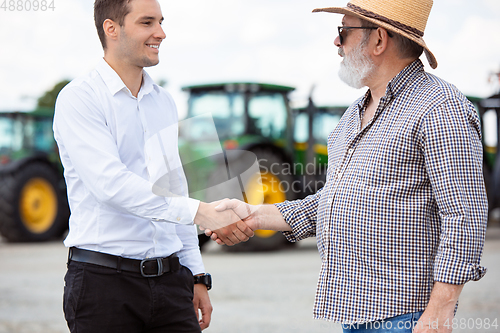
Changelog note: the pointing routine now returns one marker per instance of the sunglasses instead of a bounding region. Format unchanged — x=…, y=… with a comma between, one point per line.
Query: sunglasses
x=343, y=31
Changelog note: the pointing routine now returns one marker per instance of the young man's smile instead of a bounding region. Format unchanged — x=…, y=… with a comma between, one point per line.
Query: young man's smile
x=142, y=26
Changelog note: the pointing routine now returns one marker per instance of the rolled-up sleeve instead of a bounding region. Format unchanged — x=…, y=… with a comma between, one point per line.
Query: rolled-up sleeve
x=452, y=147
x=301, y=215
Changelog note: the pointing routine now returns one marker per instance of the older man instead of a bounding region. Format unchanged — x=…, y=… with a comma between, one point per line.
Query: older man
x=401, y=220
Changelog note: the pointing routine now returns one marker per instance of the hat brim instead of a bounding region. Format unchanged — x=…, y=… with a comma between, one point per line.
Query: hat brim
x=419, y=40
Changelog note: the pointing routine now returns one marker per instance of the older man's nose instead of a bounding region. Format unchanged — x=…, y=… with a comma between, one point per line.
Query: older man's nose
x=337, y=41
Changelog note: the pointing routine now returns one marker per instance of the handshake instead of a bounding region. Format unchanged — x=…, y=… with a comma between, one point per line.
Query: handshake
x=231, y=221
x=227, y=221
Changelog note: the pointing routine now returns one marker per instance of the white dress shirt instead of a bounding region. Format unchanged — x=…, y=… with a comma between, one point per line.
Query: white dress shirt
x=114, y=147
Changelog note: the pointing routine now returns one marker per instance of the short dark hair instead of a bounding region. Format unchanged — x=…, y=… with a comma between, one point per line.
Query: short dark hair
x=115, y=10
x=405, y=46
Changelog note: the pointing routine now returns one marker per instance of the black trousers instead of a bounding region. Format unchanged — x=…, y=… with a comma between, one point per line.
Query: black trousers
x=100, y=299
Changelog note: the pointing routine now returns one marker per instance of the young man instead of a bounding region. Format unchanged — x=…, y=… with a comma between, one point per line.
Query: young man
x=132, y=253
x=401, y=219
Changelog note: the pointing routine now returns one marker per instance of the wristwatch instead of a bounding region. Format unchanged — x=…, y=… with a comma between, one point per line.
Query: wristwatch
x=205, y=279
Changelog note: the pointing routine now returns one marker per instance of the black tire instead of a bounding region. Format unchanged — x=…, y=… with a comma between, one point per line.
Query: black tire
x=15, y=226
x=270, y=162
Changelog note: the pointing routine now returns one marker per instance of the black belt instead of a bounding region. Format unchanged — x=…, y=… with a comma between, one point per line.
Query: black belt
x=148, y=267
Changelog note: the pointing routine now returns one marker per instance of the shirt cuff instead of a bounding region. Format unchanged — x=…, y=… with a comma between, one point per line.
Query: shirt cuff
x=453, y=271
x=182, y=210
x=300, y=228
x=192, y=260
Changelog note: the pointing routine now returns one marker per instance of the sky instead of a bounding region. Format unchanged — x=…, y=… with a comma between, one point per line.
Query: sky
x=274, y=41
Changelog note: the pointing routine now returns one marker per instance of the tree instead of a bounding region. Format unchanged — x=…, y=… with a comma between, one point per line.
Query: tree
x=48, y=99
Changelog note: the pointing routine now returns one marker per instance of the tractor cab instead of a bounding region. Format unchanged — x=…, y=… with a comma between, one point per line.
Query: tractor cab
x=312, y=126
x=243, y=110
x=23, y=134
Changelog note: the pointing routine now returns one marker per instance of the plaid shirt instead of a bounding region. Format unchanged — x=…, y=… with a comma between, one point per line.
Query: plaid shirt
x=404, y=204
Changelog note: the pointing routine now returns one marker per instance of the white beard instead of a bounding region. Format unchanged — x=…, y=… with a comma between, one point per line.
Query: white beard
x=356, y=67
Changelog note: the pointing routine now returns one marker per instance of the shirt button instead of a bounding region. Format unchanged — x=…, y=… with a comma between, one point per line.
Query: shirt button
x=178, y=219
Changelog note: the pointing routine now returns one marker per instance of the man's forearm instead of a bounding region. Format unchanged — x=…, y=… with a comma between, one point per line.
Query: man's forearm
x=268, y=217
x=444, y=296
x=439, y=312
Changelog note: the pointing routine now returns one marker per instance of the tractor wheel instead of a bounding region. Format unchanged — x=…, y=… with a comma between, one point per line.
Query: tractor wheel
x=32, y=206
x=276, y=187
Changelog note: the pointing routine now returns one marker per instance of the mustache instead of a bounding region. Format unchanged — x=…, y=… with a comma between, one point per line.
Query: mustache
x=341, y=52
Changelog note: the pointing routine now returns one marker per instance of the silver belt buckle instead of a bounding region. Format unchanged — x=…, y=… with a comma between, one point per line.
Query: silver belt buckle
x=160, y=267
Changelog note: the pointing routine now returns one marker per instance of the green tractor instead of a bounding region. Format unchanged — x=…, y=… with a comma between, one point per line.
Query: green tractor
x=232, y=125
x=33, y=201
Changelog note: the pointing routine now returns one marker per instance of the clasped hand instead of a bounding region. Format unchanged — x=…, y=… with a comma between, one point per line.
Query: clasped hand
x=227, y=221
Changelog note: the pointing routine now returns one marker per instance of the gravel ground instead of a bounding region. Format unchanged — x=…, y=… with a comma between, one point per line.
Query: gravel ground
x=253, y=292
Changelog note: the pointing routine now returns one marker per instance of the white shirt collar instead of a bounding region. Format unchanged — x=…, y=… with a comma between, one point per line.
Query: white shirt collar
x=115, y=83
x=147, y=84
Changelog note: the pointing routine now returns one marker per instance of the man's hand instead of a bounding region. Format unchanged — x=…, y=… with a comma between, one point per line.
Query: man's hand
x=231, y=229
x=438, y=316
x=201, y=301
x=243, y=210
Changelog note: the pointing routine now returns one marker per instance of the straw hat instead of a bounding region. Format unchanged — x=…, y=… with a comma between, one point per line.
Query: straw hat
x=405, y=17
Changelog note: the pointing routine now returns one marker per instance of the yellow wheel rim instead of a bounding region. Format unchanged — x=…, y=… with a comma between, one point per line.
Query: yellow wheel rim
x=38, y=205
x=270, y=190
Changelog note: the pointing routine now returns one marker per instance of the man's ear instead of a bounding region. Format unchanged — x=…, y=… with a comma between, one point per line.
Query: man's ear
x=381, y=41
x=110, y=29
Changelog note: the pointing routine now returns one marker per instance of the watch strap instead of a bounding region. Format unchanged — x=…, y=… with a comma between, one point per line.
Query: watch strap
x=205, y=279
